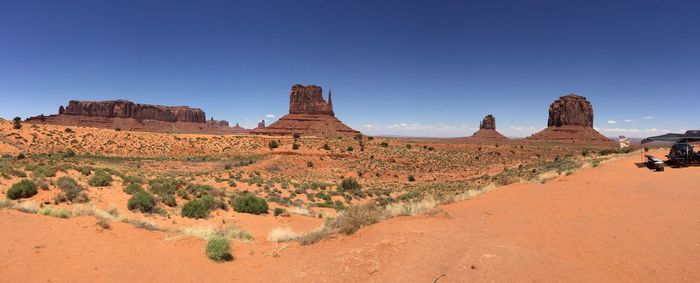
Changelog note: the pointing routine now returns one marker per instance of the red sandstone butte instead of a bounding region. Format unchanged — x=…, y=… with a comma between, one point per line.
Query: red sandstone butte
x=309, y=114
x=487, y=131
x=570, y=119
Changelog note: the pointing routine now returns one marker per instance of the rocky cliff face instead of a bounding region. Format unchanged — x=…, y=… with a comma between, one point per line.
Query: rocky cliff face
x=571, y=110
x=488, y=123
x=309, y=100
x=570, y=119
x=128, y=109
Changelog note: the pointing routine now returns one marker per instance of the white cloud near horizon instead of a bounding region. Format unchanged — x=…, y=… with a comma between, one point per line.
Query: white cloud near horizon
x=629, y=120
x=612, y=122
x=270, y=116
x=648, y=117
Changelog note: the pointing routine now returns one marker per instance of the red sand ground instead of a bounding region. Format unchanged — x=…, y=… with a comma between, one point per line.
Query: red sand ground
x=613, y=223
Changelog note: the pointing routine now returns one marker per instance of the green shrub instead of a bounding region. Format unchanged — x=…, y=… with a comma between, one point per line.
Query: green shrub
x=273, y=144
x=44, y=171
x=86, y=171
x=54, y=212
x=22, y=189
x=295, y=146
x=101, y=178
x=326, y=146
x=350, y=148
x=169, y=200
x=132, y=188
x=349, y=185
x=142, y=201
x=309, y=164
x=411, y=178
x=70, y=190
x=384, y=144
x=165, y=185
x=250, y=204
x=219, y=249
x=20, y=156
x=196, y=208
x=296, y=135
x=17, y=123
x=279, y=211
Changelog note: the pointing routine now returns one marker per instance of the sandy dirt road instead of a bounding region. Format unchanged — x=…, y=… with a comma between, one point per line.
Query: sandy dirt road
x=613, y=223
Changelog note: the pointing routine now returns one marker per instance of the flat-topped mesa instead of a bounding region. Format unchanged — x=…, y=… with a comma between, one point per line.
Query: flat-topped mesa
x=128, y=109
x=488, y=123
x=570, y=110
x=309, y=100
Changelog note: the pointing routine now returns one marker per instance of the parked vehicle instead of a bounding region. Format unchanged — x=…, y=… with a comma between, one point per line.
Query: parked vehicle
x=682, y=154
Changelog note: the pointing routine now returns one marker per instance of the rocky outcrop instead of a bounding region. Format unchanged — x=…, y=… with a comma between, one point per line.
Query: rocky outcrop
x=570, y=119
x=129, y=116
x=309, y=114
x=309, y=100
x=570, y=110
x=487, y=131
x=261, y=125
x=488, y=123
x=128, y=109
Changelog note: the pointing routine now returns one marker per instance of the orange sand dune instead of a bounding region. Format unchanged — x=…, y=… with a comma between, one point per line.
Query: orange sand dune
x=613, y=223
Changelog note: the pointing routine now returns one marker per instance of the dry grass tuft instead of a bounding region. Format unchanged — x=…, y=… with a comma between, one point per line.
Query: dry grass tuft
x=54, y=212
x=279, y=235
x=414, y=208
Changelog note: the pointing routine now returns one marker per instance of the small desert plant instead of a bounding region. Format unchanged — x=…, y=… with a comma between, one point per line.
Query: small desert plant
x=196, y=208
x=6, y=203
x=250, y=204
x=384, y=144
x=411, y=178
x=43, y=171
x=54, y=212
x=296, y=135
x=142, y=201
x=169, y=200
x=309, y=164
x=22, y=189
x=219, y=249
x=279, y=235
x=20, y=156
x=355, y=217
x=350, y=148
x=101, y=178
x=326, y=146
x=273, y=144
x=17, y=123
x=278, y=211
x=70, y=190
x=133, y=188
x=295, y=146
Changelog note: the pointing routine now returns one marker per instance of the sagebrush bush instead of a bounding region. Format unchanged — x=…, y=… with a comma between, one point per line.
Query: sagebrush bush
x=273, y=144
x=70, y=190
x=101, y=178
x=44, y=171
x=165, y=185
x=168, y=200
x=279, y=211
x=196, y=208
x=219, y=249
x=250, y=204
x=142, y=201
x=22, y=189
x=133, y=188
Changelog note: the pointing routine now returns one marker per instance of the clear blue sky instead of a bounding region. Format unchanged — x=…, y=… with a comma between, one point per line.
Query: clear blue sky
x=422, y=68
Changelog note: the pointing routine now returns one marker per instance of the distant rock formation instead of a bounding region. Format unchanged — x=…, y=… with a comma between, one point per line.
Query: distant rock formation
x=128, y=109
x=487, y=131
x=127, y=115
x=309, y=114
x=570, y=119
x=261, y=124
x=571, y=110
x=309, y=100
x=220, y=123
